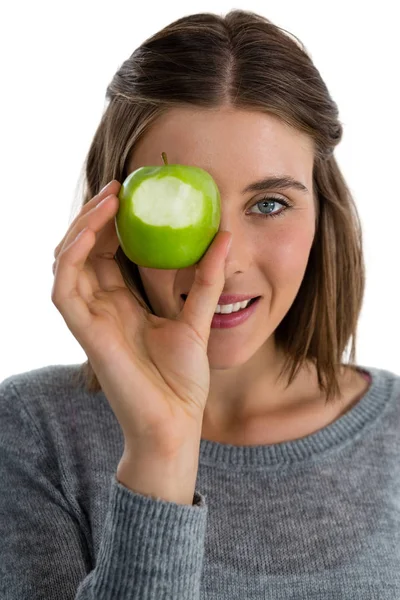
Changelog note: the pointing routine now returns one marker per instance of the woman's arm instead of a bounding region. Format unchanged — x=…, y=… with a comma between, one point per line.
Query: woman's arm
x=45, y=549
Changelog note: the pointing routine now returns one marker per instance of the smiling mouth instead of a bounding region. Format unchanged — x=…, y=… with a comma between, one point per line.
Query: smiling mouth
x=184, y=296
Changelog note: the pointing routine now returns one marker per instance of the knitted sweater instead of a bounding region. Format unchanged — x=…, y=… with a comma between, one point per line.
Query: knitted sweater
x=309, y=519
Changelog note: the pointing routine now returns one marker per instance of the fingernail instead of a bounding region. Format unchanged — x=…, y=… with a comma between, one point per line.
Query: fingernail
x=103, y=201
x=229, y=246
x=105, y=187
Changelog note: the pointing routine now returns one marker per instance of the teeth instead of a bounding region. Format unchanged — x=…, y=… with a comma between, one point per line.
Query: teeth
x=226, y=309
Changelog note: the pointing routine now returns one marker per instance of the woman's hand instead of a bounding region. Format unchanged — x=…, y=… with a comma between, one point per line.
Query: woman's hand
x=154, y=371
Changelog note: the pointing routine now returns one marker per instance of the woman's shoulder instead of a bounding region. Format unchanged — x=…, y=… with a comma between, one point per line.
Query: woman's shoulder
x=383, y=391
x=51, y=381
x=49, y=408
x=383, y=376
x=53, y=392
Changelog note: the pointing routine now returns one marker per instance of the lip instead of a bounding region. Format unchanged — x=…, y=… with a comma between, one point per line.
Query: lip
x=221, y=321
x=233, y=298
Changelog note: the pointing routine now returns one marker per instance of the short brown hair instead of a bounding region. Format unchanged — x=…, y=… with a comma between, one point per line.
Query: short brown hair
x=245, y=61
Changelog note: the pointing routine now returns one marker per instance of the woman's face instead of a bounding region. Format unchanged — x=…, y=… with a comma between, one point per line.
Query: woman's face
x=268, y=255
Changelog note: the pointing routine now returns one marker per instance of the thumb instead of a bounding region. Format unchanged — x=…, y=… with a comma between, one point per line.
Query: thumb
x=209, y=281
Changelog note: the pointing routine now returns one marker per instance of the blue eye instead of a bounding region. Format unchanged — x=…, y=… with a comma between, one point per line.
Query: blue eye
x=268, y=200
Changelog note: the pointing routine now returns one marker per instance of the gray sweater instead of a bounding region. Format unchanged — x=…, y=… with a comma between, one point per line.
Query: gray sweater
x=314, y=518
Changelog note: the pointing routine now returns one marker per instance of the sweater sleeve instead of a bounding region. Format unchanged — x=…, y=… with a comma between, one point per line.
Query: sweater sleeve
x=150, y=548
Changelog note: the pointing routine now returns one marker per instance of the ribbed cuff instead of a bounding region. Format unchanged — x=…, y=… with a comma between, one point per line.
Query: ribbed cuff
x=150, y=549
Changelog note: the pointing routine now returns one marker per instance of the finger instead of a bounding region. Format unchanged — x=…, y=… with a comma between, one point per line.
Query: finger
x=104, y=271
x=65, y=293
x=92, y=218
x=199, y=307
x=108, y=189
x=111, y=188
x=102, y=255
x=95, y=219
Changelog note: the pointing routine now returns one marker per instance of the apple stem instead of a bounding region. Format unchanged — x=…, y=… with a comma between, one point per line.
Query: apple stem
x=164, y=157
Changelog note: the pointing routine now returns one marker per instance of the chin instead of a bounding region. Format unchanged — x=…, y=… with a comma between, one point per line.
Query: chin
x=227, y=360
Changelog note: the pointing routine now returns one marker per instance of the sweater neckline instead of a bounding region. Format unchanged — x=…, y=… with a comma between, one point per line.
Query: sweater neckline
x=347, y=427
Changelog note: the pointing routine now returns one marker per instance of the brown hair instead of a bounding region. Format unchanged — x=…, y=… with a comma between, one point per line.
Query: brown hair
x=245, y=61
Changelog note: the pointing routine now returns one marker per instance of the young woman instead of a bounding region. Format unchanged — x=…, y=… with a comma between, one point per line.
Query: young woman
x=198, y=453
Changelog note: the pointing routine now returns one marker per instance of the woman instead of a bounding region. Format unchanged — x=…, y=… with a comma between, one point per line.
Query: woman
x=194, y=455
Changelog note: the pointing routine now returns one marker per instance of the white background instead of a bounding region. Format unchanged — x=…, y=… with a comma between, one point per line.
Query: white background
x=57, y=59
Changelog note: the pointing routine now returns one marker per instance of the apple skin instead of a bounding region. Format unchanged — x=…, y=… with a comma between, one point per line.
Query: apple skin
x=163, y=246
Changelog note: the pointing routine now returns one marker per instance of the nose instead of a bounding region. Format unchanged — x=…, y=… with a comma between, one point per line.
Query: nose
x=238, y=259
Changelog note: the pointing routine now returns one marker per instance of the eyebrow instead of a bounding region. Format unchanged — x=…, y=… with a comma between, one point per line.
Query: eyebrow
x=282, y=182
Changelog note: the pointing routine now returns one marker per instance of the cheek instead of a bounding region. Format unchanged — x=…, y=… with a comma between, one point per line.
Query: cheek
x=289, y=250
x=158, y=284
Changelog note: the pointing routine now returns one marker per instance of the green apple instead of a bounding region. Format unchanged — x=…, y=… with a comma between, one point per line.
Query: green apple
x=168, y=215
